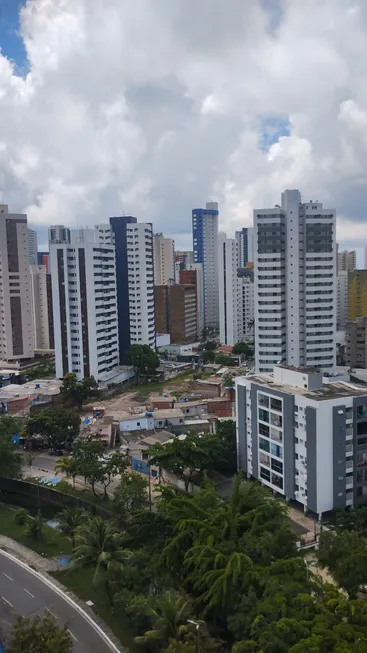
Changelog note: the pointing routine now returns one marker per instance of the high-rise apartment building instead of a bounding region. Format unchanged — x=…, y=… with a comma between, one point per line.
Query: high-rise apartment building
x=193, y=275
x=356, y=343
x=205, y=245
x=304, y=439
x=357, y=294
x=245, y=305
x=228, y=290
x=42, y=259
x=85, y=306
x=346, y=260
x=58, y=234
x=295, y=284
x=164, y=261
x=245, y=246
x=342, y=299
x=32, y=247
x=176, y=312
x=139, y=239
x=41, y=304
x=16, y=324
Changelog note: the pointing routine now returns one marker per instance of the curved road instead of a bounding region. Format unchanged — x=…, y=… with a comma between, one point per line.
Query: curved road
x=22, y=593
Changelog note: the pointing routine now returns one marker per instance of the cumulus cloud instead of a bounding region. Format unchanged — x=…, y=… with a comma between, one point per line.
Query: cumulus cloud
x=153, y=108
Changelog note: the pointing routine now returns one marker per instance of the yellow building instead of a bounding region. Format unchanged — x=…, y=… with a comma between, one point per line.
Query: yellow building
x=357, y=294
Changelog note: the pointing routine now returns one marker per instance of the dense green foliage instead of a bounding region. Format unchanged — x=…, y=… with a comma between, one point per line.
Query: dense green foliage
x=10, y=460
x=77, y=393
x=39, y=635
x=243, y=348
x=59, y=425
x=143, y=359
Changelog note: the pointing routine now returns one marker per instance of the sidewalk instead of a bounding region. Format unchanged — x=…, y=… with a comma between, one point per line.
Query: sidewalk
x=30, y=557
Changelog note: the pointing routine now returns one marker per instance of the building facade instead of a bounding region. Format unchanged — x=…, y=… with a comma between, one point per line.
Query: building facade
x=140, y=264
x=295, y=284
x=40, y=307
x=85, y=306
x=176, y=312
x=16, y=317
x=58, y=234
x=164, y=263
x=356, y=343
x=246, y=305
x=193, y=275
x=245, y=246
x=228, y=290
x=346, y=261
x=205, y=246
x=304, y=439
x=342, y=300
x=357, y=294
x=32, y=247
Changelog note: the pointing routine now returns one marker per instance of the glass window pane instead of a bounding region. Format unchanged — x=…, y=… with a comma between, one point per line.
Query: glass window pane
x=264, y=415
x=264, y=445
x=276, y=404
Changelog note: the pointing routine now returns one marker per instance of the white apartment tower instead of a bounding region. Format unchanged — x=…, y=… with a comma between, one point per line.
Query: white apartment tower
x=227, y=285
x=32, y=246
x=139, y=240
x=205, y=247
x=346, y=260
x=84, y=305
x=16, y=326
x=295, y=284
x=246, y=306
x=59, y=234
x=40, y=306
x=164, y=260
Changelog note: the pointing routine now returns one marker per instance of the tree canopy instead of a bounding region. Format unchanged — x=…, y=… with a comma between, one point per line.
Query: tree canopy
x=59, y=425
x=10, y=458
x=77, y=393
x=243, y=348
x=39, y=635
x=143, y=359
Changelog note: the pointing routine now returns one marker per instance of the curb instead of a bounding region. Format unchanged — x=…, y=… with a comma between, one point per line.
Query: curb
x=61, y=591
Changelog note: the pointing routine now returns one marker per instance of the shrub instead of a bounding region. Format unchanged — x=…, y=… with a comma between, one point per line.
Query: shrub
x=20, y=516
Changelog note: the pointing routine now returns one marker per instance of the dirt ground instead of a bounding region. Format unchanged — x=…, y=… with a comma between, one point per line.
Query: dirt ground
x=131, y=399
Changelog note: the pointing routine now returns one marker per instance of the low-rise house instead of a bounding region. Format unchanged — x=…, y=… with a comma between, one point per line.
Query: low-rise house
x=33, y=395
x=102, y=428
x=168, y=417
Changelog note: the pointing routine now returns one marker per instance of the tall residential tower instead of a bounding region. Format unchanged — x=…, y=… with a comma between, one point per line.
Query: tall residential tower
x=205, y=245
x=295, y=284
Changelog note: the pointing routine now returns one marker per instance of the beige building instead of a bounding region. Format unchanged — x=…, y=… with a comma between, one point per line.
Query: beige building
x=16, y=323
x=164, y=265
x=42, y=321
x=356, y=343
x=347, y=260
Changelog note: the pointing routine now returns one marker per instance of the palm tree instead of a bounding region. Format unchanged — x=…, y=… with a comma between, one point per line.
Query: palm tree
x=69, y=520
x=97, y=544
x=67, y=466
x=171, y=621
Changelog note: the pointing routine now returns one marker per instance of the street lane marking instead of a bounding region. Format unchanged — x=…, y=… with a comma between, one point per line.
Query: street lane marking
x=72, y=634
x=30, y=593
x=6, y=576
x=6, y=601
x=51, y=613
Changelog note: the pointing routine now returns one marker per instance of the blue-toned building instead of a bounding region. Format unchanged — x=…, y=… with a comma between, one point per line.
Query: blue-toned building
x=205, y=247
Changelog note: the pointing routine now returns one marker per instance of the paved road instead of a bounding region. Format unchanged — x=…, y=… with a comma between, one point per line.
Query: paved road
x=22, y=593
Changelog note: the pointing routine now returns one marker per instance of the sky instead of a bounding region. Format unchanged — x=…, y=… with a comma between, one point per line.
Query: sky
x=152, y=108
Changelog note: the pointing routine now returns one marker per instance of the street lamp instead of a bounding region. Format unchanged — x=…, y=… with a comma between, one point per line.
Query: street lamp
x=197, y=628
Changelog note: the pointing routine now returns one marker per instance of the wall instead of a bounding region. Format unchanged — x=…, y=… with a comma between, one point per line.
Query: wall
x=137, y=424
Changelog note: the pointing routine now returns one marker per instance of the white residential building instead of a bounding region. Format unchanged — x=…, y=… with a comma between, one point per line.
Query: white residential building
x=342, y=300
x=84, y=306
x=164, y=260
x=295, y=284
x=246, y=305
x=205, y=246
x=40, y=306
x=139, y=237
x=59, y=234
x=303, y=438
x=228, y=291
x=16, y=324
x=346, y=260
x=32, y=247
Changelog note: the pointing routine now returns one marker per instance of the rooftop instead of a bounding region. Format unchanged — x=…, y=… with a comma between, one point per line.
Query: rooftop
x=167, y=412
x=332, y=390
x=31, y=389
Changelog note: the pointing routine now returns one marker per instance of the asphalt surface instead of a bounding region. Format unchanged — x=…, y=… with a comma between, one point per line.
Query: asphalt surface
x=22, y=593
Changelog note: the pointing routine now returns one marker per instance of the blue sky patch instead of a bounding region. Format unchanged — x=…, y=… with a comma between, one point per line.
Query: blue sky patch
x=11, y=44
x=272, y=128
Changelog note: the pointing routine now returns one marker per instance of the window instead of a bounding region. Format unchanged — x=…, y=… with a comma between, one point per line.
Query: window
x=362, y=441
x=264, y=415
x=276, y=450
x=263, y=400
x=361, y=459
x=265, y=474
x=264, y=445
x=362, y=491
x=264, y=459
x=362, y=428
x=276, y=404
x=277, y=481
x=276, y=420
x=264, y=430
x=277, y=466
x=361, y=411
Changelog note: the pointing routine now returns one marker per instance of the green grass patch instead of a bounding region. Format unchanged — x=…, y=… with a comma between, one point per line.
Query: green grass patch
x=79, y=581
x=53, y=543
